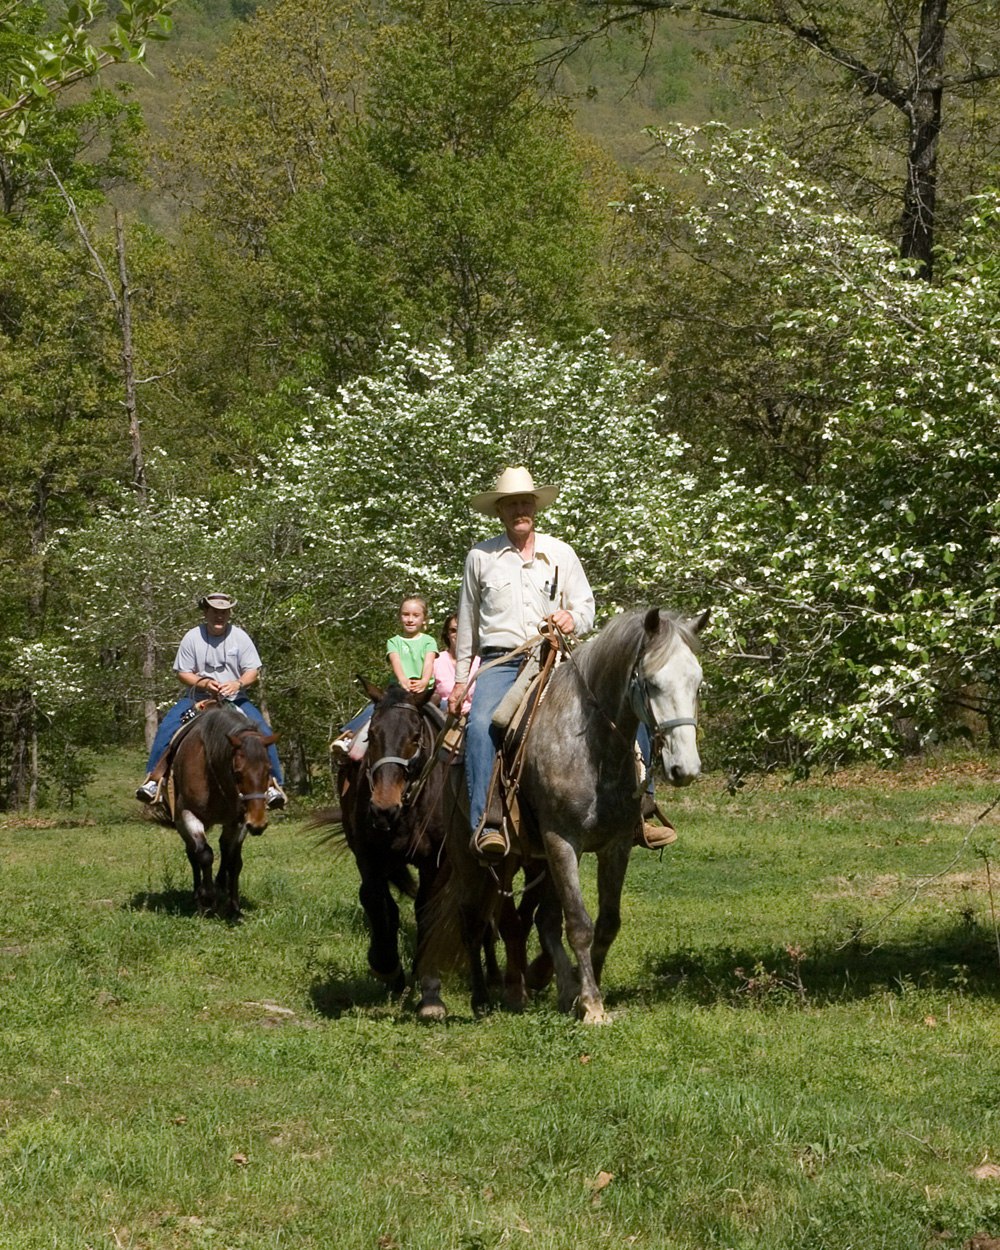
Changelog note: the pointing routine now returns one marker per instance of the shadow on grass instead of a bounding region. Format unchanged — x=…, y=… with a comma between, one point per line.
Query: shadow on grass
x=175, y=903
x=342, y=990
x=960, y=959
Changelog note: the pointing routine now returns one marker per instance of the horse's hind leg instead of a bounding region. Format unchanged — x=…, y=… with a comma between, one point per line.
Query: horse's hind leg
x=200, y=857
x=230, y=866
x=549, y=922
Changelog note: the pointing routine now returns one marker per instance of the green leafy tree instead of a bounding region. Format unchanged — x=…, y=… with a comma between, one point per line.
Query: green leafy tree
x=917, y=79
x=457, y=207
x=254, y=127
x=859, y=604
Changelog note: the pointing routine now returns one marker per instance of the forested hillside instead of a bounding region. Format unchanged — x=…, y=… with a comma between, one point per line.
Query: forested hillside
x=271, y=313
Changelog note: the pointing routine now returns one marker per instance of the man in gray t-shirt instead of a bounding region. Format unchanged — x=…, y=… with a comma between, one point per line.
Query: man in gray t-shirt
x=217, y=658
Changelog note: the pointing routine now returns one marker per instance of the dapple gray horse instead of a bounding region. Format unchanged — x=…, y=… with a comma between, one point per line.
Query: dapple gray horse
x=579, y=791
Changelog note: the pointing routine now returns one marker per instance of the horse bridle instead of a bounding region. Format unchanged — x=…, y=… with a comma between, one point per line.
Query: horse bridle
x=409, y=765
x=638, y=697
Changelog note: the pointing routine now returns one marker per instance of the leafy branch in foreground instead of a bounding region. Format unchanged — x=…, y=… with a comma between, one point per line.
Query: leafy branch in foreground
x=38, y=67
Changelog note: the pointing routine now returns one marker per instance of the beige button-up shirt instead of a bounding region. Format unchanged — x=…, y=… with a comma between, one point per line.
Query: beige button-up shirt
x=504, y=598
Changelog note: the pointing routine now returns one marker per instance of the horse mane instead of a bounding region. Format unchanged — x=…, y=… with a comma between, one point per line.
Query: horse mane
x=626, y=634
x=217, y=727
x=394, y=696
x=676, y=631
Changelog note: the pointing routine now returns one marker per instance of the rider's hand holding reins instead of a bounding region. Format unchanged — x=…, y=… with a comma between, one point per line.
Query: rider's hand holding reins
x=563, y=621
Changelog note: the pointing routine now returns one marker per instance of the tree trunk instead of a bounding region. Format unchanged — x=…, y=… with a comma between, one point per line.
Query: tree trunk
x=924, y=115
x=138, y=466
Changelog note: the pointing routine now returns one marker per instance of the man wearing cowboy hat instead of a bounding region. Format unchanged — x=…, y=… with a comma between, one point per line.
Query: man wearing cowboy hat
x=511, y=584
x=215, y=658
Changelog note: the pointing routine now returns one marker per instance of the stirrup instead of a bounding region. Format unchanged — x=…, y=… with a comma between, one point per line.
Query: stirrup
x=149, y=791
x=490, y=844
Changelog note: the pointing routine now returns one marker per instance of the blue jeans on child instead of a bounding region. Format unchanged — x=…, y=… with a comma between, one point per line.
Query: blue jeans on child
x=172, y=722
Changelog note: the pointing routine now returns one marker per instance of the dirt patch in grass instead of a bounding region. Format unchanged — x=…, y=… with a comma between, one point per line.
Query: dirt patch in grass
x=46, y=822
x=949, y=888
x=964, y=815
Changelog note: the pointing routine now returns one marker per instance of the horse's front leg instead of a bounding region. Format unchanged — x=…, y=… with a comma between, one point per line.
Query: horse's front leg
x=539, y=973
x=431, y=1006
x=564, y=867
x=200, y=857
x=612, y=864
x=231, y=865
x=383, y=927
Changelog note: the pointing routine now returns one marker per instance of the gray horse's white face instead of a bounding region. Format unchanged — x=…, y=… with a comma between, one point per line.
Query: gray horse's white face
x=673, y=695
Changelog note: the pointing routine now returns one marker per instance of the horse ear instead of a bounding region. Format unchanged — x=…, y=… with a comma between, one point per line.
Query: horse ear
x=236, y=740
x=424, y=696
x=651, y=622
x=270, y=739
x=698, y=623
x=371, y=690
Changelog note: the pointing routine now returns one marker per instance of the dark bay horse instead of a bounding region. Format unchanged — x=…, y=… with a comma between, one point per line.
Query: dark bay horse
x=392, y=814
x=391, y=827
x=220, y=774
x=579, y=791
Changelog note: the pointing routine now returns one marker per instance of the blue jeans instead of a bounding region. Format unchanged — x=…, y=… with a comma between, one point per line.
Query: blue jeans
x=362, y=718
x=172, y=722
x=481, y=737
x=646, y=747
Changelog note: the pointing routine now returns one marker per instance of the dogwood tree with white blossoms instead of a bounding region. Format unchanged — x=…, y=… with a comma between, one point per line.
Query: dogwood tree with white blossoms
x=853, y=610
x=865, y=593
x=368, y=501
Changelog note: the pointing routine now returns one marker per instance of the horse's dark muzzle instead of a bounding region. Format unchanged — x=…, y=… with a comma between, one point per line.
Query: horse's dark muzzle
x=256, y=830
x=384, y=818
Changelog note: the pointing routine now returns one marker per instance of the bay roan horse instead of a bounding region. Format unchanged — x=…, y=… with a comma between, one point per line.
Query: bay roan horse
x=220, y=773
x=578, y=792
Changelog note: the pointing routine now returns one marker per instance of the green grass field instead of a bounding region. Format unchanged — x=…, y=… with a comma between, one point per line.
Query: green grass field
x=803, y=1049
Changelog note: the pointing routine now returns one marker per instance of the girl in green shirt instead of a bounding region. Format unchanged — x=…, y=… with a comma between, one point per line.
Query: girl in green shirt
x=411, y=652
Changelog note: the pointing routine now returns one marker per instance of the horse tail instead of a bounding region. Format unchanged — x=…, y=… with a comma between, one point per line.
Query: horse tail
x=330, y=819
x=441, y=944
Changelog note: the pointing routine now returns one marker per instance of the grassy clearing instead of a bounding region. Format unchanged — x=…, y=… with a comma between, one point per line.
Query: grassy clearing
x=174, y=1082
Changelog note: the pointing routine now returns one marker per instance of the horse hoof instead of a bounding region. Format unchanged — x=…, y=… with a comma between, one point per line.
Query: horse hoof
x=516, y=998
x=432, y=1013
x=594, y=1014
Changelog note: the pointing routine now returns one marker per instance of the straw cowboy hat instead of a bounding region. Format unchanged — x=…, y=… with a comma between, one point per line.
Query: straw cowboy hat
x=513, y=482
